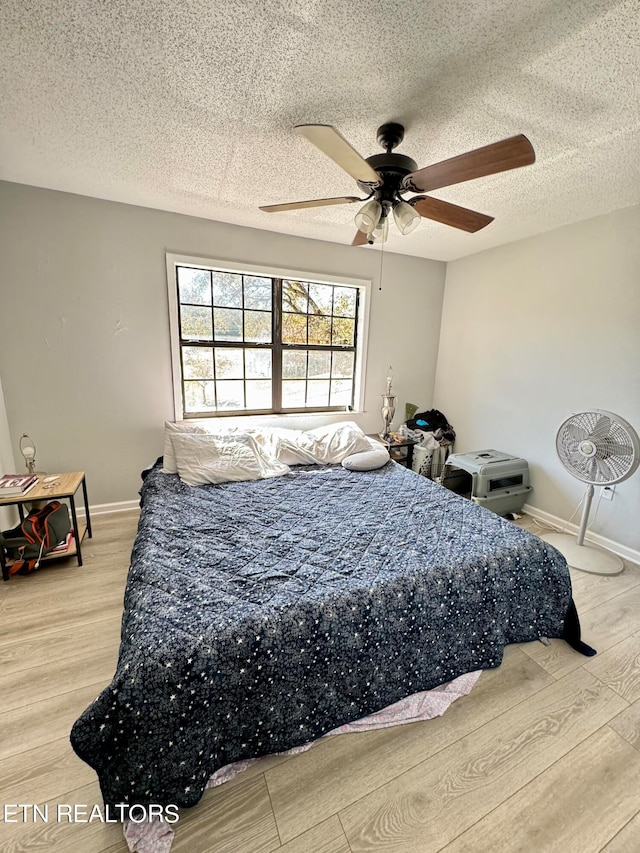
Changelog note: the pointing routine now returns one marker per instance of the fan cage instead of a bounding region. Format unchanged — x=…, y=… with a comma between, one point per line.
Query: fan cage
x=598, y=447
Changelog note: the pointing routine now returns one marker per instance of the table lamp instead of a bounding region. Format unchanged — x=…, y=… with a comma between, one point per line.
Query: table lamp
x=388, y=406
x=28, y=450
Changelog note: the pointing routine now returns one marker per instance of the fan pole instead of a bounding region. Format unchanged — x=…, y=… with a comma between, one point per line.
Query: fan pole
x=581, y=555
x=585, y=515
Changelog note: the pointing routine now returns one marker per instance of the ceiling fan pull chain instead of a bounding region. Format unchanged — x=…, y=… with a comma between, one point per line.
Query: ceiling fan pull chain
x=381, y=259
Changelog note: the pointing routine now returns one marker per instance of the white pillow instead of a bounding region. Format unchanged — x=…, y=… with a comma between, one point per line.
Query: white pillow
x=326, y=444
x=170, y=428
x=334, y=442
x=290, y=446
x=368, y=460
x=169, y=460
x=209, y=458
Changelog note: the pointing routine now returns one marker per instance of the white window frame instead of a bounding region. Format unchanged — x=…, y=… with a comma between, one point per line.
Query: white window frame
x=362, y=332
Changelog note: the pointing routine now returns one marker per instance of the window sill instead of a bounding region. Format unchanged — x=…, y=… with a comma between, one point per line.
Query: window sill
x=298, y=420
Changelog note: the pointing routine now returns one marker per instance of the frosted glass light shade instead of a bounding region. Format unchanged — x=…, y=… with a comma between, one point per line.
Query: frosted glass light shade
x=406, y=217
x=368, y=216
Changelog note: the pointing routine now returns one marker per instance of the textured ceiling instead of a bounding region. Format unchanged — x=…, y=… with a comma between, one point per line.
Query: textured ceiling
x=189, y=105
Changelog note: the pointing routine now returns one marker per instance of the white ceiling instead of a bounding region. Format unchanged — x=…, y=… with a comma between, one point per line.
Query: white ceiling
x=189, y=105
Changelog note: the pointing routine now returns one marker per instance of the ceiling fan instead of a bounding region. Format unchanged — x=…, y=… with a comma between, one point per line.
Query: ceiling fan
x=386, y=178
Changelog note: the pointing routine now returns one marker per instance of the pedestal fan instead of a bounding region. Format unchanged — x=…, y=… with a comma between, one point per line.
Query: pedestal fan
x=600, y=449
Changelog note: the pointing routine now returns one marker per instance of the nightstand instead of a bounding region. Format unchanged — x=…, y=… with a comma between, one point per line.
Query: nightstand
x=399, y=451
x=63, y=486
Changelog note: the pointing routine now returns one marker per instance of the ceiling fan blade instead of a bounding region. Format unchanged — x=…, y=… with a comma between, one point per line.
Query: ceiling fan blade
x=360, y=239
x=314, y=202
x=330, y=142
x=511, y=153
x=451, y=214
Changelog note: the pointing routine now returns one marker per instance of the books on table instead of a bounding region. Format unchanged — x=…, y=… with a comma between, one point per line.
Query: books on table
x=12, y=485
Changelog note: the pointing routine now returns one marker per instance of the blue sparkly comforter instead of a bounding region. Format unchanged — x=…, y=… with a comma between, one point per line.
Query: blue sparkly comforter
x=260, y=615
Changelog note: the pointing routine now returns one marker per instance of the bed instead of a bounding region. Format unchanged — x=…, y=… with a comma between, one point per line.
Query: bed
x=260, y=615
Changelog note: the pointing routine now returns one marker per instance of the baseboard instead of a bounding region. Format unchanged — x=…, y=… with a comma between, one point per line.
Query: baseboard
x=104, y=509
x=553, y=521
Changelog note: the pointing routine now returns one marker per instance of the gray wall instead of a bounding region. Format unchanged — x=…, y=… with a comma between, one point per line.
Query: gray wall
x=536, y=330
x=84, y=331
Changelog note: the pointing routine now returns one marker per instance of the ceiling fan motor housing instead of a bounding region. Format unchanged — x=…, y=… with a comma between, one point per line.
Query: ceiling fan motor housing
x=392, y=168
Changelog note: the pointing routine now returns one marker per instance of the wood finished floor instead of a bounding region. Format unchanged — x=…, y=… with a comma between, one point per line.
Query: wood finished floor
x=543, y=755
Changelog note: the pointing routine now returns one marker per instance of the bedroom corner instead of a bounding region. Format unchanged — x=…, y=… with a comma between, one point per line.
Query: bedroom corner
x=8, y=515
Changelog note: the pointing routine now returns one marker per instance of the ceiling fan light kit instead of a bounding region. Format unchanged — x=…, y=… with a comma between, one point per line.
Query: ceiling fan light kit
x=386, y=178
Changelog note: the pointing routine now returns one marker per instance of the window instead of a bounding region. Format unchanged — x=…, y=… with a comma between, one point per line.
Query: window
x=253, y=342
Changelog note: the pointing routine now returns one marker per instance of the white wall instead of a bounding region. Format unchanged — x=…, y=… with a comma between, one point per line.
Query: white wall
x=84, y=330
x=536, y=330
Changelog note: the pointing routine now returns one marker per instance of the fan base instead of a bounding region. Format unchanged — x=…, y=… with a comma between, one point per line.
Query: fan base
x=586, y=558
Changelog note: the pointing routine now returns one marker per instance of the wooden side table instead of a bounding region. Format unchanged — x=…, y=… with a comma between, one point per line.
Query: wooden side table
x=63, y=486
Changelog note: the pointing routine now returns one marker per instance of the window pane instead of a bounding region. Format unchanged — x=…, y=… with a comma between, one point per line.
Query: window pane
x=228, y=324
x=195, y=323
x=293, y=394
x=344, y=301
x=199, y=397
x=227, y=289
x=257, y=364
x=230, y=395
x=257, y=293
x=342, y=365
x=194, y=285
x=319, y=365
x=320, y=299
x=197, y=362
x=318, y=392
x=341, y=392
x=229, y=363
x=258, y=394
x=294, y=364
x=343, y=331
x=228, y=353
x=257, y=326
x=294, y=328
x=320, y=330
x=295, y=296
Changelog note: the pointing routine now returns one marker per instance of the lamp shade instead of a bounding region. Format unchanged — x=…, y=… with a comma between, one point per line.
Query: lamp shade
x=368, y=216
x=406, y=217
